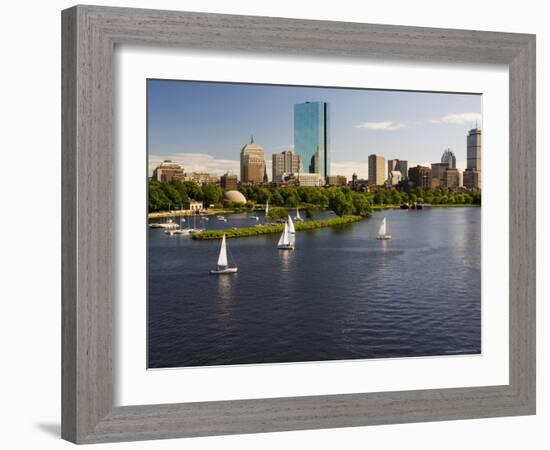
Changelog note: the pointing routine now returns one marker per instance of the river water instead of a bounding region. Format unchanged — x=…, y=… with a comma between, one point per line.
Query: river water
x=340, y=295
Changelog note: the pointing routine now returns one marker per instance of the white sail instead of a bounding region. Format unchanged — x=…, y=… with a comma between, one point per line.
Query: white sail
x=266, y=208
x=292, y=239
x=283, y=240
x=291, y=225
x=222, y=259
x=298, y=214
x=382, y=229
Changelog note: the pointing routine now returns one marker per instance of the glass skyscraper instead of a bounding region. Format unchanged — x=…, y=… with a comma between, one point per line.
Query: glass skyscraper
x=311, y=137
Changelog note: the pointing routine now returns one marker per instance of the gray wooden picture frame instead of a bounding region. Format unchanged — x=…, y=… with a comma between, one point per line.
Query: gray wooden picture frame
x=90, y=34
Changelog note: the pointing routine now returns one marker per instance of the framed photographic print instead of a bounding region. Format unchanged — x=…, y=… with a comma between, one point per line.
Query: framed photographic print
x=266, y=230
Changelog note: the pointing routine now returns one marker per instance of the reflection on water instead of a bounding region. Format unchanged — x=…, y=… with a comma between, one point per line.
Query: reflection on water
x=224, y=285
x=341, y=294
x=285, y=257
x=225, y=297
x=384, y=245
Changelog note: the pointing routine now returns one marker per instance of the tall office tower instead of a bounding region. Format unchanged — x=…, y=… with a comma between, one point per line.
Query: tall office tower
x=252, y=163
x=311, y=137
x=377, y=174
x=449, y=159
x=403, y=167
x=472, y=174
x=392, y=166
x=471, y=179
x=399, y=165
x=438, y=174
x=451, y=179
x=474, y=149
x=421, y=176
x=284, y=162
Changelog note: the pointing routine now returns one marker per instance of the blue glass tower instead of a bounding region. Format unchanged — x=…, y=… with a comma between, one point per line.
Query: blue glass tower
x=311, y=137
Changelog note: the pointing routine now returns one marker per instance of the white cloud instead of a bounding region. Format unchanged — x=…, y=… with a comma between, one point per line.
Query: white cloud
x=466, y=118
x=383, y=126
x=348, y=168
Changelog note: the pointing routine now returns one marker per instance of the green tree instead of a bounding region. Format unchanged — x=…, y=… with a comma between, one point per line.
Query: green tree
x=311, y=213
x=211, y=194
x=182, y=190
x=340, y=204
x=395, y=197
x=263, y=195
x=290, y=196
x=277, y=198
x=157, y=199
x=275, y=214
x=172, y=195
x=361, y=206
x=193, y=190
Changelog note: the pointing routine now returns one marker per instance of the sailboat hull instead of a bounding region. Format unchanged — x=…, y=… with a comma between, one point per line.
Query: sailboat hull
x=227, y=271
x=286, y=247
x=384, y=238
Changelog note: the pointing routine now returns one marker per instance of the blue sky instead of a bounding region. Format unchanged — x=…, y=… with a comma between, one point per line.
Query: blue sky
x=203, y=126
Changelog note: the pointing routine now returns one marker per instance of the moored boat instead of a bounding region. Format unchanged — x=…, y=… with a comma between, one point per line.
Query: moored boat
x=168, y=225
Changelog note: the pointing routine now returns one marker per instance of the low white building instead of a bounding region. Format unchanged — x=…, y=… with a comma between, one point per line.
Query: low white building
x=300, y=179
x=309, y=179
x=394, y=178
x=195, y=206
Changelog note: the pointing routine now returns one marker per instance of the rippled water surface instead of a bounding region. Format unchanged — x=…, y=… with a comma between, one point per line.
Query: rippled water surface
x=340, y=295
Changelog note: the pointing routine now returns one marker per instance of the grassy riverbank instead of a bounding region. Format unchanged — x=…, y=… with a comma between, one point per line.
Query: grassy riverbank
x=431, y=205
x=269, y=229
x=222, y=211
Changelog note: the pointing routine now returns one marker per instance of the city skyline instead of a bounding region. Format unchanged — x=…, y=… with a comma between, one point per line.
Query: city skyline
x=203, y=126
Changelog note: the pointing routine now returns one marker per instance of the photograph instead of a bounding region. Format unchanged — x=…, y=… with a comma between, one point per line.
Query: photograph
x=292, y=224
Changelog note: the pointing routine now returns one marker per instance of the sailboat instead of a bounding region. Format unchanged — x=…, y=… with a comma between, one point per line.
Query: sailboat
x=298, y=217
x=195, y=229
x=223, y=265
x=181, y=230
x=291, y=229
x=286, y=241
x=382, y=231
x=266, y=208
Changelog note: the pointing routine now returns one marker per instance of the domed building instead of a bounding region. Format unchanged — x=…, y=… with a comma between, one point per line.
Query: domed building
x=235, y=197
